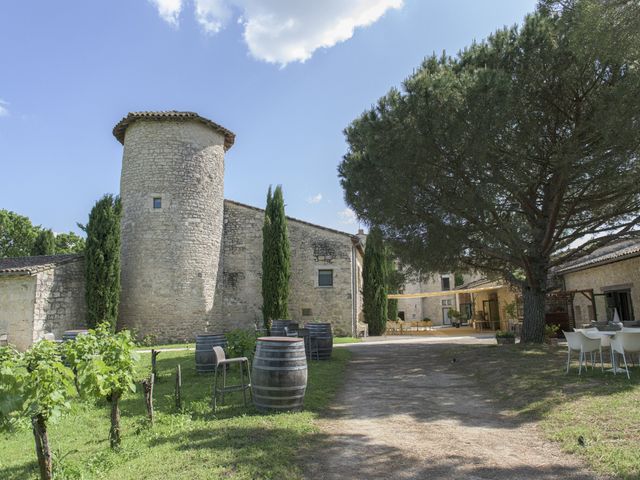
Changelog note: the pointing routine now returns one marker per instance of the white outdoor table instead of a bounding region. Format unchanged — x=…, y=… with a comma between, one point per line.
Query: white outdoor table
x=605, y=341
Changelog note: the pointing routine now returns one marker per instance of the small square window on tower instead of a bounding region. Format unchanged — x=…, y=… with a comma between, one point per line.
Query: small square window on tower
x=157, y=202
x=325, y=278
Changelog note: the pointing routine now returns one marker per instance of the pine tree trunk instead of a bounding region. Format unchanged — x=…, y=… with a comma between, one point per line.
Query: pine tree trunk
x=114, y=433
x=42, y=447
x=534, y=315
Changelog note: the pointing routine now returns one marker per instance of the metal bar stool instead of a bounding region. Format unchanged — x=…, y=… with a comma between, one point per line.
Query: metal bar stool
x=310, y=343
x=222, y=361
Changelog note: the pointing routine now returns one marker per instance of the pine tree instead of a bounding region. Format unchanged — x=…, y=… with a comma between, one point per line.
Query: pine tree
x=102, y=262
x=276, y=263
x=516, y=156
x=45, y=243
x=374, y=283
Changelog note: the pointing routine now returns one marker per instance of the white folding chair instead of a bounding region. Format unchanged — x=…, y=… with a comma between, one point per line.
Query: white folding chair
x=579, y=342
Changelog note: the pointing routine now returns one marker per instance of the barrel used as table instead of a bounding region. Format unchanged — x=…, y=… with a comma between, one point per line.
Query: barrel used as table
x=322, y=337
x=277, y=327
x=205, y=358
x=72, y=334
x=279, y=374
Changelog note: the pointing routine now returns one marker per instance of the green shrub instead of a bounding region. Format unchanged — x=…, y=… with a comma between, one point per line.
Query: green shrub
x=505, y=334
x=551, y=331
x=241, y=343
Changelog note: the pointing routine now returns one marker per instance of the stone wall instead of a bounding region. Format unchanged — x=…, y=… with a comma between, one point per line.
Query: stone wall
x=60, y=300
x=50, y=301
x=239, y=298
x=16, y=309
x=416, y=309
x=622, y=275
x=170, y=255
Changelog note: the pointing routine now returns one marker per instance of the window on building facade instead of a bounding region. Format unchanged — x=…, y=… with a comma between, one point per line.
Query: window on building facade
x=620, y=301
x=157, y=202
x=446, y=283
x=325, y=278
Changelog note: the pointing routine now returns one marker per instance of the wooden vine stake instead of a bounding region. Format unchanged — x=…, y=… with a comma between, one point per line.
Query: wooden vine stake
x=154, y=365
x=178, y=392
x=147, y=385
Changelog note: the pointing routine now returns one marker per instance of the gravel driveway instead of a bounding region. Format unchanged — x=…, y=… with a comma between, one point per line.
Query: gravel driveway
x=407, y=412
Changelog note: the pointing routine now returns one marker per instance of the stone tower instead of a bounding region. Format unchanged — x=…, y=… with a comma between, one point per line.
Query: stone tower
x=172, y=218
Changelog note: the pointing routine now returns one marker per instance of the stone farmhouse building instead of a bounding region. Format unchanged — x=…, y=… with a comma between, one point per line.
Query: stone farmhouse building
x=190, y=260
x=612, y=274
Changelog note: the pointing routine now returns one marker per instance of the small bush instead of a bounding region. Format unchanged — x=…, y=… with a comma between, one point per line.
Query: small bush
x=551, y=330
x=505, y=334
x=241, y=343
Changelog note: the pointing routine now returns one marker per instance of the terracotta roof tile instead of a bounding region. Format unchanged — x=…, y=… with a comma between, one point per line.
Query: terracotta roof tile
x=33, y=265
x=120, y=129
x=607, y=254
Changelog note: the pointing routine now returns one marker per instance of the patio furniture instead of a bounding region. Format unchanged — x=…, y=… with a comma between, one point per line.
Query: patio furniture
x=585, y=330
x=623, y=343
x=604, y=337
x=221, y=362
x=579, y=342
x=310, y=343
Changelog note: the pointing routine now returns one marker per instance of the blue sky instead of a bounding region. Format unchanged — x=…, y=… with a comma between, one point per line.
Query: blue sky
x=287, y=76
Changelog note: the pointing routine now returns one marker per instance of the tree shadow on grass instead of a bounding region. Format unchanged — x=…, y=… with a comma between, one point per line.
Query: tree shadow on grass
x=20, y=472
x=271, y=452
x=477, y=385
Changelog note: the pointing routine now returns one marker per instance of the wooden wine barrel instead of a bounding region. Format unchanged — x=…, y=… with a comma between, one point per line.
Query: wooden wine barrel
x=72, y=334
x=205, y=358
x=279, y=374
x=322, y=336
x=277, y=327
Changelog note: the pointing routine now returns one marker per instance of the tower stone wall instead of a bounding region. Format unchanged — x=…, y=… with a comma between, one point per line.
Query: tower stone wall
x=172, y=213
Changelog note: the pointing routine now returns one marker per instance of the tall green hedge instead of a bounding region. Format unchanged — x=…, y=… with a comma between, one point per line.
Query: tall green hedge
x=102, y=262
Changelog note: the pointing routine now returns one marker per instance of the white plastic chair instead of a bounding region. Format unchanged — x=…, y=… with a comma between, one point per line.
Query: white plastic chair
x=623, y=343
x=579, y=342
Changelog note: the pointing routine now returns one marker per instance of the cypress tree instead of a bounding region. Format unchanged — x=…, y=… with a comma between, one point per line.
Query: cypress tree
x=393, y=282
x=102, y=262
x=276, y=259
x=374, y=283
x=45, y=243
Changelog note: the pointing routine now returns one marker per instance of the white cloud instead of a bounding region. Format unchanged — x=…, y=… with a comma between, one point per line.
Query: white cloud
x=347, y=216
x=4, y=111
x=284, y=31
x=169, y=10
x=315, y=199
x=212, y=15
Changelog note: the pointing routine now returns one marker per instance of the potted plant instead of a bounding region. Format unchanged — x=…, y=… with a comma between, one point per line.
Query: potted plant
x=456, y=317
x=551, y=333
x=505, y=337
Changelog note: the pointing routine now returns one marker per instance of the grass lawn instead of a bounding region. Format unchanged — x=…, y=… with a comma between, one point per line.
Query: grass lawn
x=601, y=408
x=237, y=443
x=192, y=346
x=337, y=340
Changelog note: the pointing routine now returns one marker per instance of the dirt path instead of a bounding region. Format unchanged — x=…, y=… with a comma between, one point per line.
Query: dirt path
x=407, y=412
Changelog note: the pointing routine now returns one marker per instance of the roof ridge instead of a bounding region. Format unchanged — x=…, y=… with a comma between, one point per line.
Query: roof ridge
x=293, y=219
